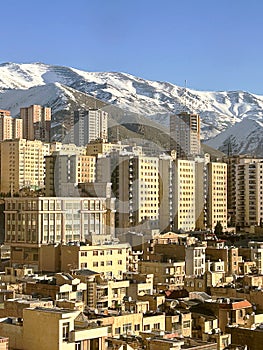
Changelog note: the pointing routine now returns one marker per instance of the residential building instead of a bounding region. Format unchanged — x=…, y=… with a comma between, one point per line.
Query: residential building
x=89, y=125
x=102, y=293
x=235, y=182
x=217, y=195
x=249, y=193
x=228, y=255
x=32, y=222
x=185, y=134
x=228, y=311
x=56, y=328
x=131, y=323
x=167, y=274
x=22, y=165
x=65, y=172
x=67, y=149
x=5, y=113
x=184, y=195
x=179, y=321
x=140, y=284
x=100, y=146
x=10, y=128
x=110, y=260
x=195, y=260
x=256, y=251
x=58, y=286
x=135, y=183
x=36, y=122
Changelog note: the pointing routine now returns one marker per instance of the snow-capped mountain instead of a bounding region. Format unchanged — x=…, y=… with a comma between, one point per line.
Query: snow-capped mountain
x=244, y=137
x=64, y=88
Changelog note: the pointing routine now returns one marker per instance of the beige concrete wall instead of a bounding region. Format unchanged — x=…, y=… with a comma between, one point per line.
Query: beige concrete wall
x=14, y=333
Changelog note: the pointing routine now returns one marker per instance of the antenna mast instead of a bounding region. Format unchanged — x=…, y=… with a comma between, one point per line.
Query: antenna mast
x=185, y=83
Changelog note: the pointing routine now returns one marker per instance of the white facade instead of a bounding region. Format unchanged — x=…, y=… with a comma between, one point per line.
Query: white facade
x=195, y=260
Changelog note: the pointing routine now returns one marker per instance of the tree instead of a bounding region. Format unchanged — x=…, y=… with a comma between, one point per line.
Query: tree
x=218, y=228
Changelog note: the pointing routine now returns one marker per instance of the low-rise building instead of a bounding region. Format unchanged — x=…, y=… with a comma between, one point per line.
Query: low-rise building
x=167, y=275
x=55, y=328
x=101, y=292
x=59, y=286
x=110, y=260
x=139, y=284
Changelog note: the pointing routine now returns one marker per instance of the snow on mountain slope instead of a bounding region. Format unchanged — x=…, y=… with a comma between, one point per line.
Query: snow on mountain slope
x=245, y=137
x=54, y=95
x=39, y=83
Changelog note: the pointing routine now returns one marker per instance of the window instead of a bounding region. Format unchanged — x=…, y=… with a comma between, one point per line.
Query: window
x=127, y=327
x=78, y=345
x=137, y=327
x=65, y=331
x=118, y=330
x=186, y=324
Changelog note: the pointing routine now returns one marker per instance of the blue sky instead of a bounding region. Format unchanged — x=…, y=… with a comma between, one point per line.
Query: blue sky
x=214, y=45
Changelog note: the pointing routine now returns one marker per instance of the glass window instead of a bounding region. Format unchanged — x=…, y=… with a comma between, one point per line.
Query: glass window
x=65, y=331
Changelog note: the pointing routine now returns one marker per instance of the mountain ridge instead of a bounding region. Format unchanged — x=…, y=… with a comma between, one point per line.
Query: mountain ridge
x=155, y=100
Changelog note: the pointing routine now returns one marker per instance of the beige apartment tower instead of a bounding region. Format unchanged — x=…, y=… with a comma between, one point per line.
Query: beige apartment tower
x=65, y=172
x=217, y=194
x=236, y=175
x=135, y=180
x=10, y=128
x=36, y=122
x=22, y=165
x=183, y=195
x=249, y=193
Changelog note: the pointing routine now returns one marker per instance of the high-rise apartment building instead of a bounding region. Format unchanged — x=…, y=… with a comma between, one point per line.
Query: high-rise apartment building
x=89, y=125
x=217, y=194
x=240, y=172
x=36, y=122
x=185, y=134
x=249, y=192
x=4, y=112
x=10, y=128
x=183, y=195
x=135, y=183
x=65, y=172
x=22, y=164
